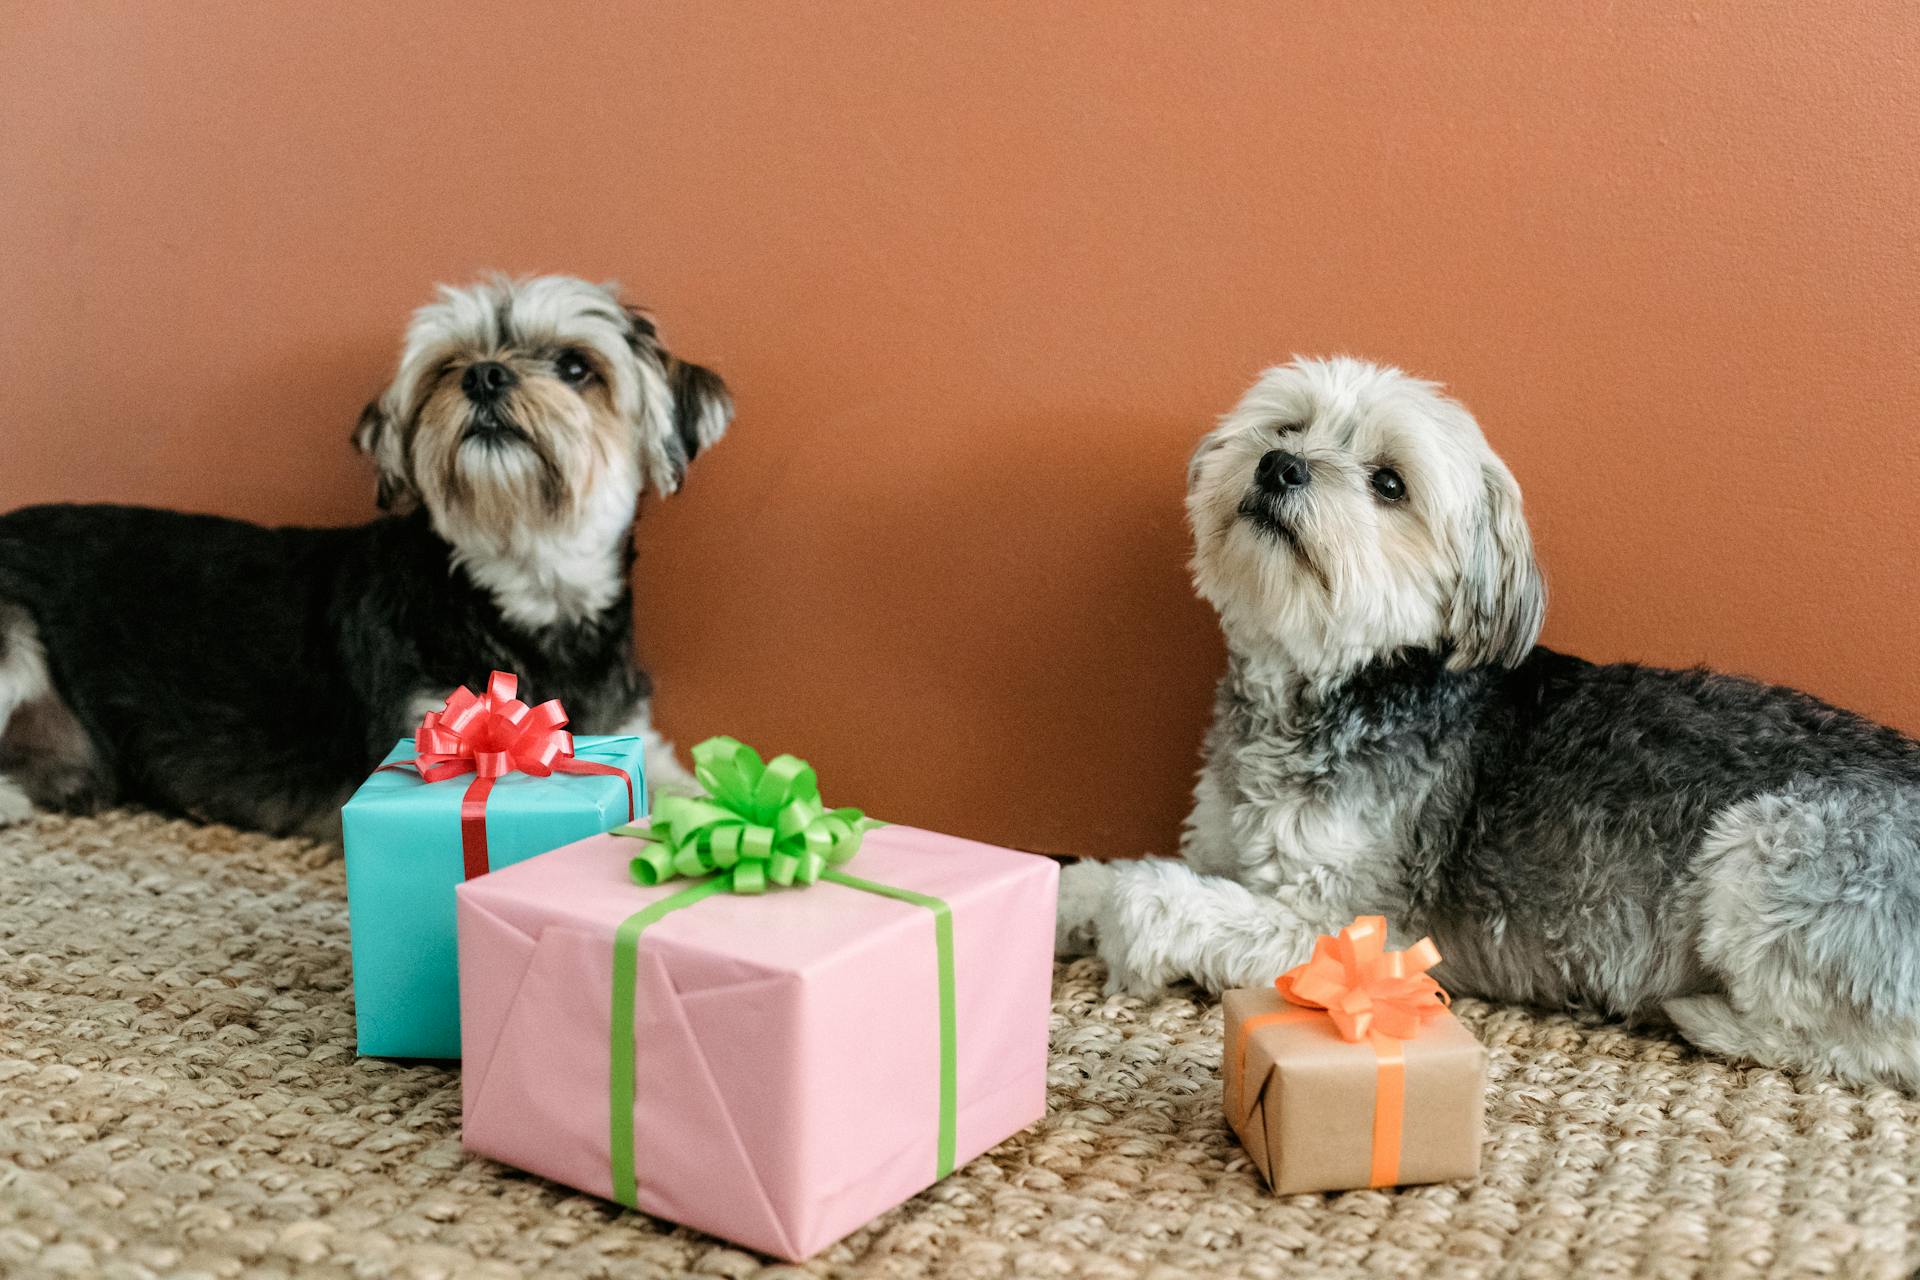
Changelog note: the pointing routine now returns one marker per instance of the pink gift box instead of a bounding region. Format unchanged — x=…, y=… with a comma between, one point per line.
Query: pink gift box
x=787, y=1060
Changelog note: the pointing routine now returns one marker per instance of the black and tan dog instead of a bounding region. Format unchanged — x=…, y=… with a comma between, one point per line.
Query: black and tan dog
x=249, y=675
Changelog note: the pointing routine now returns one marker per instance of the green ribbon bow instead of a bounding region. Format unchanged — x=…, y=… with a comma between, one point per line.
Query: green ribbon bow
x=759, y=824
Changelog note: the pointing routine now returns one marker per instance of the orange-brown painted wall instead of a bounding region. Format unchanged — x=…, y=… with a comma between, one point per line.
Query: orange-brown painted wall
x=980, y=274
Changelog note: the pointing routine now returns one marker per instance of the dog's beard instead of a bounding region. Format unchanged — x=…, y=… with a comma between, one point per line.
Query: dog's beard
x=1256, y=563
x=499, y=456
x=1315, y=580
x=1269, y=516
x=537, y=462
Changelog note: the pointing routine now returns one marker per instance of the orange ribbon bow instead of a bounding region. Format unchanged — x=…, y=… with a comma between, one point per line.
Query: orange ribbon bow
x=1372, y=994
x=1364, y=987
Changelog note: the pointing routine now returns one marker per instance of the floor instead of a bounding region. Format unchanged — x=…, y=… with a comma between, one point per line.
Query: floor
x=179, y=1096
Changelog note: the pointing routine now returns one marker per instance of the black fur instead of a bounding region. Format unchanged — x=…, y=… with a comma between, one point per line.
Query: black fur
x=695, y=391
x=242, y=674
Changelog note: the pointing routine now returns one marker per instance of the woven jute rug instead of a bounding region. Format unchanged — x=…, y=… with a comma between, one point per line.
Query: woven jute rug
x=179, y=1096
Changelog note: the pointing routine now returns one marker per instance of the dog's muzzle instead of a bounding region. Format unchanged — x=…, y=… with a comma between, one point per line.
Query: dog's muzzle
x=1280, y=472
x=1278, y=476
x=489, y=428
x=1267, y=513
x=487, y=381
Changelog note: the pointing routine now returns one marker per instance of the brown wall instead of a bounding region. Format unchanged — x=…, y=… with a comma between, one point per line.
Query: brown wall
x=980, y=275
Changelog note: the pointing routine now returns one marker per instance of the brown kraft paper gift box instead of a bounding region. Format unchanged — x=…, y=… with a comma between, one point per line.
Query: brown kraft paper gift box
x=1304, y=1100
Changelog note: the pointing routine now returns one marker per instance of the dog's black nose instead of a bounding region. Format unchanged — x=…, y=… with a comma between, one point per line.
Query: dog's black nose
x=485, y=381
x=1280, y=471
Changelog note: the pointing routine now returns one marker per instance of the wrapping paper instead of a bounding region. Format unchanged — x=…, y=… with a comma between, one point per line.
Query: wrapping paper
x=1304, y=1100
x=404, y=857
x=786, y=1046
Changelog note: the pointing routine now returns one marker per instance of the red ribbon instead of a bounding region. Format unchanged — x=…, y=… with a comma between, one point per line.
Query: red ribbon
x=491, y=735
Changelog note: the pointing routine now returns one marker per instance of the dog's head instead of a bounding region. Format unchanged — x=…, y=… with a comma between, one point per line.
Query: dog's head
x=1344, y=511
x=535, y=406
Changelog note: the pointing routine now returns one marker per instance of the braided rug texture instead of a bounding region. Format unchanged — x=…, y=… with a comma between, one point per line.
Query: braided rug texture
x=179, y=1096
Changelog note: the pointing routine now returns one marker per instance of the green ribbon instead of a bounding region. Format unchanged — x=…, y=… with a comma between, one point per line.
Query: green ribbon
x=626, y=975
x=949, y=1019
x=760, y=824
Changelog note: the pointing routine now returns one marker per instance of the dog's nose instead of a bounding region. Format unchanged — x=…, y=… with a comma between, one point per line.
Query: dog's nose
x=486, y=380
x=1280, y=471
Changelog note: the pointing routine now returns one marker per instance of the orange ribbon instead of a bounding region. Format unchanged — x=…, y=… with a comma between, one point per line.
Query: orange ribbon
x=1372, y=994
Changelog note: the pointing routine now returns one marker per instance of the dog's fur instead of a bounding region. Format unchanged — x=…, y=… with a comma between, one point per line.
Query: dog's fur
x=1742, y=859
x=248, y=675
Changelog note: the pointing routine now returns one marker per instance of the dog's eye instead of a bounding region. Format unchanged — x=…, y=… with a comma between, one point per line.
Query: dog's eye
x=572, y=368
x=1387, y=483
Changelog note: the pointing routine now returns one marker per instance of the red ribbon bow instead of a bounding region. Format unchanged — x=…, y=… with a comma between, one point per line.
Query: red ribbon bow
x=491, y=735
x=1364, y=987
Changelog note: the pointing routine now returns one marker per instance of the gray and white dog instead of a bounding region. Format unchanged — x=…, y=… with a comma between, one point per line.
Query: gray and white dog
x=1742, y=859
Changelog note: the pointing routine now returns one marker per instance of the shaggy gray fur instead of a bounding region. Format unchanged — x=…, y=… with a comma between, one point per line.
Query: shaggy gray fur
x=1557, y=816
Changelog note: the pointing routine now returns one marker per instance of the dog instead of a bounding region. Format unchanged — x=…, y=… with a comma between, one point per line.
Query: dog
x=233, y=673
x=1739, y=861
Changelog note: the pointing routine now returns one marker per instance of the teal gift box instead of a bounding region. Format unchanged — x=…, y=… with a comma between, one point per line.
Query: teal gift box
x=409, y=842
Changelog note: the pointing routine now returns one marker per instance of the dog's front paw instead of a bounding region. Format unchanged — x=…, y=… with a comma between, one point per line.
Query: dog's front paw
x=1084, y=888
x=1152, y=926
x=665, y=777
x=1134, y=966
x=659, y=788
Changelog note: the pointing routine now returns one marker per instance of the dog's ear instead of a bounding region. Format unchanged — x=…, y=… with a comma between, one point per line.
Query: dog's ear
x=376, y=437
x=703, y=407
x=1500, y=601
x=1208, y=443
x=690, y=412
x=684, y=407
x=643, y=330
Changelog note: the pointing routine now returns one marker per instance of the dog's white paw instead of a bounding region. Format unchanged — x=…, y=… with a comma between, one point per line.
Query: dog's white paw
x=664, y=771
x=1150, y=925
x=1135, y=967
x=1084, y=890
x=671, y=780
x=14, y=805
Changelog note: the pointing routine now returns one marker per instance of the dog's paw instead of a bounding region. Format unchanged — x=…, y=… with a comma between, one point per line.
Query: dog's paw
x=1084, y=889
x=1134, y=966
x=1151, y=926
x=659, y=788
x=14, y=804
x=666, y=776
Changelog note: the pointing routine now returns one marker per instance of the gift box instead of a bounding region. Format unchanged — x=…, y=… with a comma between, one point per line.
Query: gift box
x=1350, y=1071
x=486, y=782
x=721, y=1020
